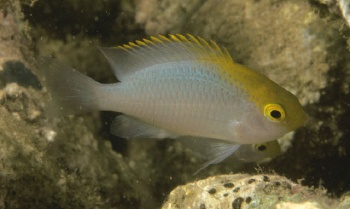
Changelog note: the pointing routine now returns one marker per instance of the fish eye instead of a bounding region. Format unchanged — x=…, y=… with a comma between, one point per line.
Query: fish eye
x=274, y=112
x=260, y=147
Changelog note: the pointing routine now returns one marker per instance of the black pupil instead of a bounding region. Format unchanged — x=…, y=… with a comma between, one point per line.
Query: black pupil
x=275, y=114
x=261, y=147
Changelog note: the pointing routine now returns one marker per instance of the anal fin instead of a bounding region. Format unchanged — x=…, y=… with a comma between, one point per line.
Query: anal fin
x=212, y=150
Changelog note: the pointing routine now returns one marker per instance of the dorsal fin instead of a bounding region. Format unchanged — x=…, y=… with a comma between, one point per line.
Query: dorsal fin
x=135, y=56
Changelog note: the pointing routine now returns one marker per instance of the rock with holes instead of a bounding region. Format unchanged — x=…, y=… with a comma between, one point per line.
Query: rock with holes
x=240, y=191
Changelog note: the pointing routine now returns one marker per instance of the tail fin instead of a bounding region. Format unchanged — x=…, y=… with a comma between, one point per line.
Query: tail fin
x=71, y=91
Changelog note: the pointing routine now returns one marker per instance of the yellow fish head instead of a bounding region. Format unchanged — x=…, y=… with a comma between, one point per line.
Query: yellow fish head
x=285, y=110
x=271, y=110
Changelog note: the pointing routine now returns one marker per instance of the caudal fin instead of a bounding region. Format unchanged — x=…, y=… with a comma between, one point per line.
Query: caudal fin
x=71, y=91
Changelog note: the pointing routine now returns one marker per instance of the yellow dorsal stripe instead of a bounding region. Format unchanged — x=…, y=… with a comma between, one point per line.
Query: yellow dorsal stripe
x=132, y=44
x=148, y=41
x=164, y=38
x=175, y=38
x=227, y=54
x=193, y=39
x=141, y=43
x=127, y=46
x=206, y=48
x=214, y=45
x=155, y=39
x=182, y=37
x=204, y=42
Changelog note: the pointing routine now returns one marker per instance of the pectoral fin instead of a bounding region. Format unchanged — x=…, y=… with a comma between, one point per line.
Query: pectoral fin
x=132, y=128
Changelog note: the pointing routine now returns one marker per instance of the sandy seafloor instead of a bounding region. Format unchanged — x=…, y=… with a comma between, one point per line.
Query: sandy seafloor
x=74, y=162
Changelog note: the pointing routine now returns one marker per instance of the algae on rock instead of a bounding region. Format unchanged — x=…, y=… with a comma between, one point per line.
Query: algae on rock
x=66, y=163
x=244, y=191
x=55, y=163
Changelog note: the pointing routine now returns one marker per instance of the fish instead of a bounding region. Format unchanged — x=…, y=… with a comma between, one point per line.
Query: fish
x=259, y=153
x=245, y=153
x=178, y=86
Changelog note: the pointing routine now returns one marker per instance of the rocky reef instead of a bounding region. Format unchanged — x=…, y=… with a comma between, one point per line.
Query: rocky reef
x=240, y=191
x=74, y=162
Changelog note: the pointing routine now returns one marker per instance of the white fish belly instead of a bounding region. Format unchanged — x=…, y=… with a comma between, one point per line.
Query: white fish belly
x=185, y=101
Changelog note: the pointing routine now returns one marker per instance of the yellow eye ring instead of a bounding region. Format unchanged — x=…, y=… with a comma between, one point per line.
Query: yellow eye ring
x=274, y=112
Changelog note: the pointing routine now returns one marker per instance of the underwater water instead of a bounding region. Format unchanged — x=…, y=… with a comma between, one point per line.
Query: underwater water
x=75, y=162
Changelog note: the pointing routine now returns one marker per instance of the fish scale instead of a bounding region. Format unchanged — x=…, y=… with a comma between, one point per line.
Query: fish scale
x=185, y=101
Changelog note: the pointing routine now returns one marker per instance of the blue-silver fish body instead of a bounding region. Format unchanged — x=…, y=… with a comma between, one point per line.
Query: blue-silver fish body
x=179, y=87
x=186, y=97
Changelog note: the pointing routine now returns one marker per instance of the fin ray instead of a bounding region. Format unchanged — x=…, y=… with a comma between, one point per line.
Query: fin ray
x=218, y=152
x=71, y=91
x=212, y=150
x=136, y=56
x=131, y=128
